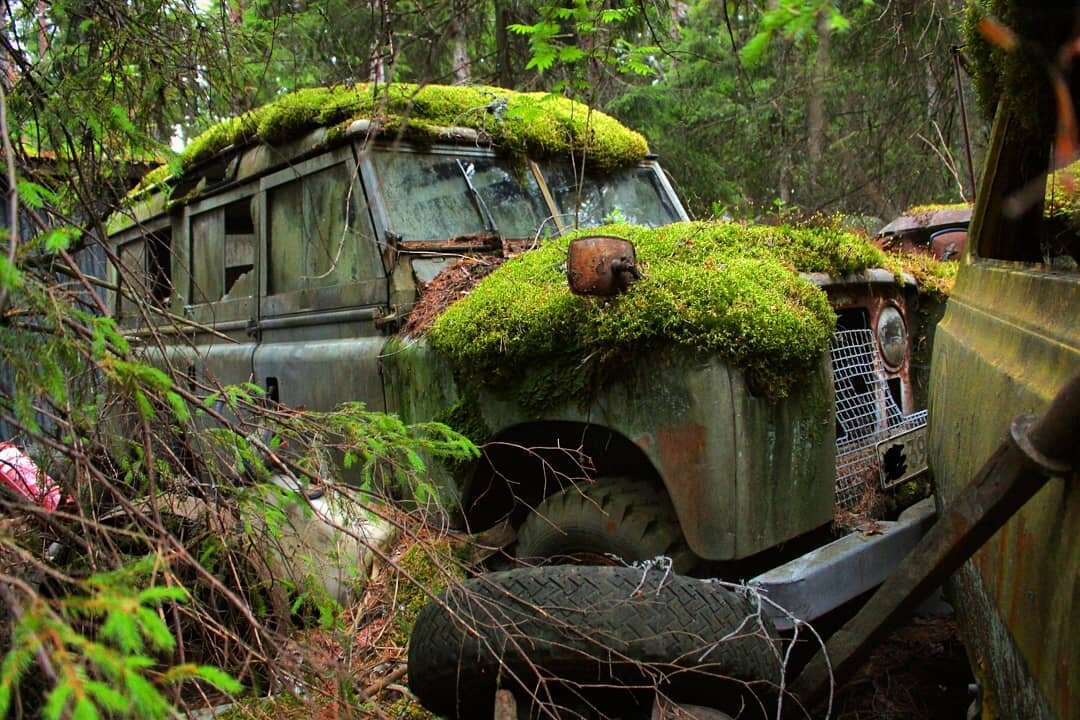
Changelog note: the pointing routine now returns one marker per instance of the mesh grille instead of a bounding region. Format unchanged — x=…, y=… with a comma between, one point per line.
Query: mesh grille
x=866, y=413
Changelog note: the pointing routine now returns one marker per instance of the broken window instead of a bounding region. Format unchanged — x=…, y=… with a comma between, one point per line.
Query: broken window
x=223, y=253
x=145, y=271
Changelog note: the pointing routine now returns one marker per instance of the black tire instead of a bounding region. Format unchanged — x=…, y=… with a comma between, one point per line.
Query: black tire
x=626, y=517
x=593, y=627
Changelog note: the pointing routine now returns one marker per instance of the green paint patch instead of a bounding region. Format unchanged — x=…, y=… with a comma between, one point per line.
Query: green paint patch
x=533, y=124
x=723, y=288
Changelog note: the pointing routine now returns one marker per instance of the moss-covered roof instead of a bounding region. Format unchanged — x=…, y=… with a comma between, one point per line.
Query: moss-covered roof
x=725, y=288
x=534, y=124
x=933, y=208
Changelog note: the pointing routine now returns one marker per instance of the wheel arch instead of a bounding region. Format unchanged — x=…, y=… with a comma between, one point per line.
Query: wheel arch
x=524, y=463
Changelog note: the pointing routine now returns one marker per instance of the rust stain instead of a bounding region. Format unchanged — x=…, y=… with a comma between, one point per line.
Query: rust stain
x=601, y=265
x=874, y=298
x=644, y=441
x=683, y=462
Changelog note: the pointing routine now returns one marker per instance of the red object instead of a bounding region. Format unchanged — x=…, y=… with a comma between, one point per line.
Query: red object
x=19, y=472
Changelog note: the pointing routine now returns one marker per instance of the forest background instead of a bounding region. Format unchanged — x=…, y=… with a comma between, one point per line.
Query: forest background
x=751, y=104
x=757, y=109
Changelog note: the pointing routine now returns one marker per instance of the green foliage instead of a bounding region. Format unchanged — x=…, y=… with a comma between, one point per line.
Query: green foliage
x=115, y=670
x=557, y=40
x=465, y=417
x=723, y=288
x=389, y=453
x=736, y=137
x=795, y=21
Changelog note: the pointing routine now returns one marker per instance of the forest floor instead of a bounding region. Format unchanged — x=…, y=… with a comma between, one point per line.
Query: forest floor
x=919, y=672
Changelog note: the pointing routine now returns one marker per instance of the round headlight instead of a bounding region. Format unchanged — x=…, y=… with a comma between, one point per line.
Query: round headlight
x=892, y=336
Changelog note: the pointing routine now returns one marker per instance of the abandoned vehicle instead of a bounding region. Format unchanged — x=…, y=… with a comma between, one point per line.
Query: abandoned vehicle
x=744, y=385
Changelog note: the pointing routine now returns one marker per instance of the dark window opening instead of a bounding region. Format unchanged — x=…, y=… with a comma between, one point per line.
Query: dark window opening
x=897, y=392
x=239, y=249
x=145, y=271
x=852, y=319
x=159, y=266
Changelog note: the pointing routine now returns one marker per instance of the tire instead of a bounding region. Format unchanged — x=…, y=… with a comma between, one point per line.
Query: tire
x=626, y=517
x=598, y=627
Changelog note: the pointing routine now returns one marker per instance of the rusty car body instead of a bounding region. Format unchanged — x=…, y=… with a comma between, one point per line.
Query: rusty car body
x=1008, y=343
x=940, y=231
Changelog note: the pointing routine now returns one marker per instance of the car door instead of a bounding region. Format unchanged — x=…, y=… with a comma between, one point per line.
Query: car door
x=322, y=287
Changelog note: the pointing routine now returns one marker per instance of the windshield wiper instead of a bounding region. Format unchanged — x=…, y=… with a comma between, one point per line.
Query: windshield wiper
x=489, y=221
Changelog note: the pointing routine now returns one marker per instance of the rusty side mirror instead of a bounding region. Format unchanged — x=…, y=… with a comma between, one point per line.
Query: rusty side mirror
x=601, y=265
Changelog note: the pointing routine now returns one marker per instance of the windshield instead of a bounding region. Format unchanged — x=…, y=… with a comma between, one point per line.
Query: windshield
x=431, y=197
x=633, y=196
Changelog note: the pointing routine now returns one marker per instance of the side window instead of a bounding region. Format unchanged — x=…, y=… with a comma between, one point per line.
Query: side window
x=319, y=233
x=223, y=253
x=145, y=271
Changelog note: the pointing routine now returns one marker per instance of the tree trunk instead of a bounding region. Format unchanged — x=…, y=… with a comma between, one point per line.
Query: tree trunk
x=815, y=112
x=382, y=49
x=504, y=77
x=460, y=42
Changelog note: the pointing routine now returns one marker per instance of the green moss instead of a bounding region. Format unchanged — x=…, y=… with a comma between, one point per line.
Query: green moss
x=465, y=417
x=932, y=276
x=432, y=566
x=723, y=288
x=1020, y=76
x=534, y=124
x=405, y=708
x=933, y=208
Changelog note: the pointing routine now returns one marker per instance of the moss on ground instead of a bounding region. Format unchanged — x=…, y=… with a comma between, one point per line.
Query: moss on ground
x=433, y=567
x=724, y=288
x=534, y=124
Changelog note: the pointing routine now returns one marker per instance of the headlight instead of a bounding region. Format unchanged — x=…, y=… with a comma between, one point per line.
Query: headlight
x=892, y=336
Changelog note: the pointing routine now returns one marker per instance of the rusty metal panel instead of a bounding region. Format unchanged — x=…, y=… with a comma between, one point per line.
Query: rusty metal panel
x=744, y=473
x=1008, y=342
x=601, y=265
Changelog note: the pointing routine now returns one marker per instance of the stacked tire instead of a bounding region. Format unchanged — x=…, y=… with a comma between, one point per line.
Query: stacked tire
x=607, y=636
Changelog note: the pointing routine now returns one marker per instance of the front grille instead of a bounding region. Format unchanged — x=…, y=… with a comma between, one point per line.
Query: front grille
x=866, y=414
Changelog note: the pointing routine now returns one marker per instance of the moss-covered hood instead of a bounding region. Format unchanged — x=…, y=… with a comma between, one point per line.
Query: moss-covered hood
x=724, y=288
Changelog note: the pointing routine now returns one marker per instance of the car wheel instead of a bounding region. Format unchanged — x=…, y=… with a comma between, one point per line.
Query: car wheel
x=612, y=521
x=611, y=634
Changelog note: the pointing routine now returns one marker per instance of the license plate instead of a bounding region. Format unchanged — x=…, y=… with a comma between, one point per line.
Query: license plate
x=902, y=457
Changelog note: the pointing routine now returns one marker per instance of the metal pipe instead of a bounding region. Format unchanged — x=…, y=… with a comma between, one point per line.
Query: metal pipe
x=963, y=115
x=326, y=318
